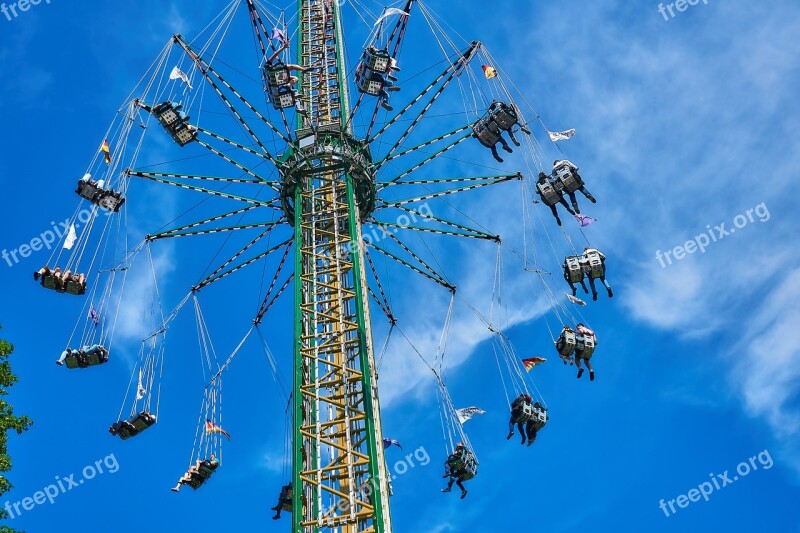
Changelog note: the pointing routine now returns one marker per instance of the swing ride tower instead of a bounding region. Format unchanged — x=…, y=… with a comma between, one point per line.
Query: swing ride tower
x=340, y=478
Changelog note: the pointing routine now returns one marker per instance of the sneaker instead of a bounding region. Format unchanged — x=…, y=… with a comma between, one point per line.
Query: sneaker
x=523, y=439
x=448, y=489
x=594, y=296
x=511, y=434
x=60, y=363
x=558, y=221
x=591, y=198
x=508, y=149
x=36, y=276
x=580, y=373
x=576, y=208
x=463, y=494
x=174, y=489
x=393, y=89
x=498, y=159
x=387, y=107
x=516, y=142
x=276, y=517
x=525, y=130
x=391, y=78
x=591, y=375
x=610, y=293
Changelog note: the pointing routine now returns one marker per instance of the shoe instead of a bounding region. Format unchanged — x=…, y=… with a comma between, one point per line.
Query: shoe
x=525, y=130
x=580, y=373
x=558, y=221
x=508, y=149
x=393, y=89
x=276, y=517
x=530, y=442
x=523, y=439
x=610, y=293
x=498, y=159
x=594, y=296
x=391, y=78
x=387, y=107
x=591, y=198
x=576, y=208
x=448, y=489
x=510, y=435
x=463, y=494
x=60, y=363
x=591, y=375
x=36, y=276
x=174, y=489
x=516, y=142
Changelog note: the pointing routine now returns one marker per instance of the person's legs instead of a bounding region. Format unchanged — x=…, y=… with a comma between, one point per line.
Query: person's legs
x=495, y=154
x=450, y=485
x=591, y=370
x=573, y=287
x=521, y=429
x=608, y=287
x=578, y=364
x=563, y=202
x=63, y=357
x=594, y=290
x=513, y=139
x=463, y=490
x=505, y=145
x=588, y=195
x=584, y=287
x=574, y=201
x=555, y=214
x=510, y=427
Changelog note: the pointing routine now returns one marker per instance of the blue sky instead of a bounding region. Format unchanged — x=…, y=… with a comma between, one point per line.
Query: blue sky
x=682, y=123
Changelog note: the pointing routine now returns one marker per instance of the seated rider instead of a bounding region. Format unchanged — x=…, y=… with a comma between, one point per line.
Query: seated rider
x=284, y=501
x=561, y=345
x=517, y=408
x=579, y=352
x=510, y=118
x=454, y=469
x=193, y=475
x=533, y=426
x=587, y=253
x=551, y=197
x=578, y=186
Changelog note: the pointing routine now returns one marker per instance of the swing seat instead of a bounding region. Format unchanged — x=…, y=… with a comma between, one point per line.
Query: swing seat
x=550, y=196
x=196, y=481
x=143, y=421
x=175, y=123
x=565, y=345
x=49, y=282
x=524, y=414
x=72, y=287
x=587, y=344
x=573, y=269
x=80, y=359
x=207, y=468
x=593, y=265
x=539, y=417
x=123, y=429
x=369, y=82
x=377, y=61
x=505, y=116
x=485, y=134
x=110, y=201
x=469, y=469
x=87, y=190
x=568, y=179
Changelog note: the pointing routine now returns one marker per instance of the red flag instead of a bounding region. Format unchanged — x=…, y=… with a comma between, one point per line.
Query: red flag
x=211, y=427
x=532, y=362
x=489, y=72
x=106, y=150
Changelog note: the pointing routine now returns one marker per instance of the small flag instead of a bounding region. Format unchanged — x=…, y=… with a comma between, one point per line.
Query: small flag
x=72, y=236
x=584, y=221
x=280, y=36
x=489, y=72
x=93, y=315
x=468, y=412
x=140, y=390
x=211, y=427
x=106, y=150
x=178, y=74
x=556, y=136
x=532, y=362
x=387, y=443
x=575, y=300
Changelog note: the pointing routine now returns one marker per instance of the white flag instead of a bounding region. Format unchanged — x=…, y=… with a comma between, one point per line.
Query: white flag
x=72, y=236
x=178, y=74
x=560, y=135
x=468, y=412
x=388, y=13
x=141, y=391
x=575, y=300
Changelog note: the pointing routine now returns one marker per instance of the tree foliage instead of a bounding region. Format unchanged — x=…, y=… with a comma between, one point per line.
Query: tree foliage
x=8, y=421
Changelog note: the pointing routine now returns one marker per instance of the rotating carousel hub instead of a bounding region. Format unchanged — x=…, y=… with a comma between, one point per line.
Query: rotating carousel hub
x=328, y=153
